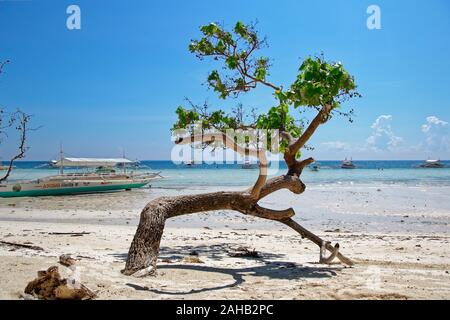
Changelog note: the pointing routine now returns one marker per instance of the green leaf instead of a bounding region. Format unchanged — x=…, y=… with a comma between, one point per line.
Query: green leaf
x=241, y=29
x=209, y=29
x=319, y=82
x=232, y=62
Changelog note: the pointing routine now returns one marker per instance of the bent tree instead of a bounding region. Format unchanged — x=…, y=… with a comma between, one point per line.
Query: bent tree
x=320, y=87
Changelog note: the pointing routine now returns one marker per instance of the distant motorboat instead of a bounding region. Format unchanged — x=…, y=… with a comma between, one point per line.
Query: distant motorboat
x=348, y=164
x=432, y=164
x=189, y=163
x=52, y=164
x=248, y=165
x=314, y=167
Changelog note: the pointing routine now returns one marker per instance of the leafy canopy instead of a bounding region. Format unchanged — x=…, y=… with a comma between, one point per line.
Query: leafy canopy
x=318, y=83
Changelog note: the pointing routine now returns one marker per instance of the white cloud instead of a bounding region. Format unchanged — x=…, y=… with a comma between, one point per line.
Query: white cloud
x=383, y=137
x=437, y=137
x=336, y=145
x=433, y=140
x=433, y=120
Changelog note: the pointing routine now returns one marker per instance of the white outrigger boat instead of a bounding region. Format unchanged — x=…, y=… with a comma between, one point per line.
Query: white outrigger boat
x=432, y=164
x=248, y=164
x=348, y=164
x=103, y=179
x=189, y=163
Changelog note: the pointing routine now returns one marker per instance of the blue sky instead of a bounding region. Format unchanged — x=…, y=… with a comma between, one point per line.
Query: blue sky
x=116, y=82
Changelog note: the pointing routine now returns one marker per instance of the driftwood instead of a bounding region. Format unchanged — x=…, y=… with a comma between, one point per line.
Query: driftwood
x=21, y=245
x=192, y=259
x=50, y=286
x=243, y=252
x=72, y=234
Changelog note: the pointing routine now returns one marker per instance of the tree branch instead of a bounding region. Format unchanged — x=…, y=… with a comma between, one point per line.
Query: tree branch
x=22, y=127
x=231, y=144
x=292, y=183
x=2, y=64
x=317, y=240
x=271, y=214
x=320, y=118
x=268, y=84
x=287, y=137
x=304, y=163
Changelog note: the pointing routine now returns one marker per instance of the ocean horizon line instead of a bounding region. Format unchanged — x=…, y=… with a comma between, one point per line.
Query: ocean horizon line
x=224, y=162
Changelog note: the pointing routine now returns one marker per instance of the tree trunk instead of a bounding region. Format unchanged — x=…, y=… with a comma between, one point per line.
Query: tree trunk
x=144, y=250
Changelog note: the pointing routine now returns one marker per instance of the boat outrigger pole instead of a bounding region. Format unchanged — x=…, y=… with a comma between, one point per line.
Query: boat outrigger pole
x=61, y=157
x=124, y=165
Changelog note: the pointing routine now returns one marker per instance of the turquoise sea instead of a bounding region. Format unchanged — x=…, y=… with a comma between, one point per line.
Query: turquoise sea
x=176, y=176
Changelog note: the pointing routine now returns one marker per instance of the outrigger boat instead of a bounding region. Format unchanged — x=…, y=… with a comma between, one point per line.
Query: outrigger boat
x=94, y=162
x=189, y=163
x=103, y=179
x=348, y=164
x=432, y=164
x=248, y=164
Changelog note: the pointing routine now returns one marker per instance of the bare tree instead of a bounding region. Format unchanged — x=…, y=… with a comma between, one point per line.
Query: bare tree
x=320, y=86
x=17, y=121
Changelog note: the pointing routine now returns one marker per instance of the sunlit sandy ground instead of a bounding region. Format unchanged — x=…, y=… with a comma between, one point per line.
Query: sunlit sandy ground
x=399, y=236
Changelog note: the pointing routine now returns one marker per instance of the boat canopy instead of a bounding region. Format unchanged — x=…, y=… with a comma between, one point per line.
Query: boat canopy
x=92, y=162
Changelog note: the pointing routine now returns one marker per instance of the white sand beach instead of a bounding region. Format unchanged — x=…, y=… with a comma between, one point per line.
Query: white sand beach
x=398, y=236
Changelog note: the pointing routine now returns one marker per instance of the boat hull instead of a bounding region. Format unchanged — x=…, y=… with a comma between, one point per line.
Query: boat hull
x=36, y=192
x=249, y=166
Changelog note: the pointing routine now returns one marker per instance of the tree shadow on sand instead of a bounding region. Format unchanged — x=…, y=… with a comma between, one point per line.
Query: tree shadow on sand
x=277, y=269
x=214, y=252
